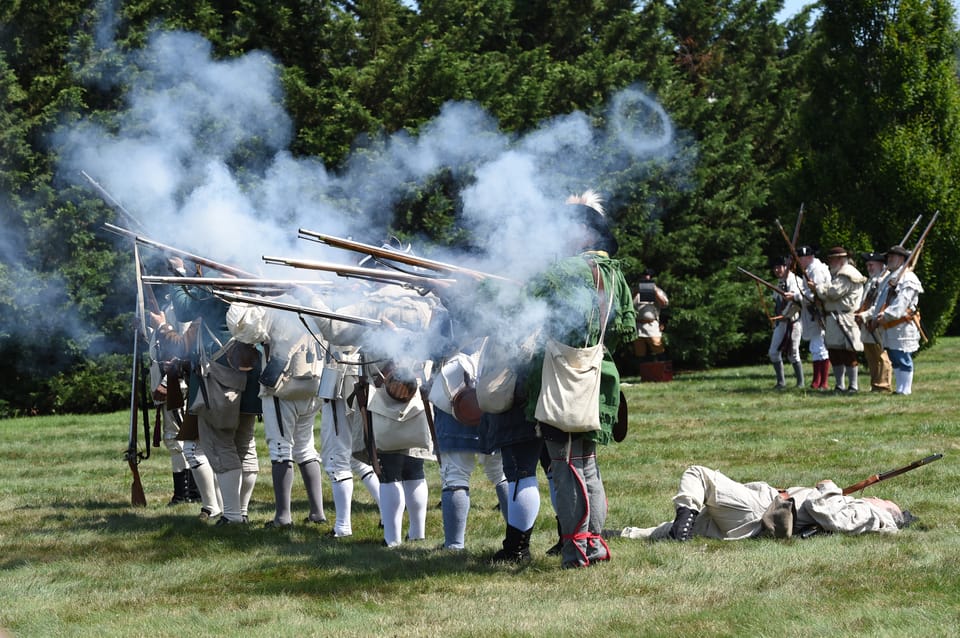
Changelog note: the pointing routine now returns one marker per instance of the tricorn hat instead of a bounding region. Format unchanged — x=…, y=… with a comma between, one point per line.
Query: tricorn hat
x=779, y=260
x=837, y=251
x=898, y=250
x=806, y=251
x=778, y=519
x=873, y=256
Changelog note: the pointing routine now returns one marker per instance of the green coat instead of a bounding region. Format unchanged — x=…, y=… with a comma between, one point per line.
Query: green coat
x=569, y=287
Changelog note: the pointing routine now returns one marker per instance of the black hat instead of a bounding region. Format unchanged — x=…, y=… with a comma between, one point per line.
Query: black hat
x=806, y=251
x=779, y=260
x=898, y=250
x=873, y=257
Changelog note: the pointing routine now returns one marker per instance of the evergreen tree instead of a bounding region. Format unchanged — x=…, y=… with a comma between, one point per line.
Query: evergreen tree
x=881, y=136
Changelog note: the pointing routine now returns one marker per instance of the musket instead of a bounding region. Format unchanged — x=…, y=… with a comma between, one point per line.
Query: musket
x=796, y=227
x=882, y=476
x=110, y=199
x=387, y=276
x=910, y=231
x=304, y=310
x=392, y=255
x=762, y=281
x=132, y=455
x=235, y=283
x=197, y=259
x=915, y=253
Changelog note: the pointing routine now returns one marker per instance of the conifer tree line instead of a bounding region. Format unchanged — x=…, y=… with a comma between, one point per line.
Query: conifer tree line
x=849, y=109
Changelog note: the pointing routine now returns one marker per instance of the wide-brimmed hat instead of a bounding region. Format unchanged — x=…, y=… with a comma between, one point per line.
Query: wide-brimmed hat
x=778, y=519
x=898, y=250
x=837, y=251
x=806, y=251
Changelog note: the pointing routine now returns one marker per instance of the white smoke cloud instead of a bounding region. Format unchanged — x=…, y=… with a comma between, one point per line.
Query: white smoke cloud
x=200, y=154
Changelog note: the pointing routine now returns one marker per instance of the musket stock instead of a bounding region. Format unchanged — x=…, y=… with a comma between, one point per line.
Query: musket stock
x=385, y=276
x=132, y=455
x=391, y=255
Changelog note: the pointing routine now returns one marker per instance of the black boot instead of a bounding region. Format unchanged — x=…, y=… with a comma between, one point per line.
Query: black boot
x=179, y=489
x=682, y=529
x=556, y=549
x=193, y=492
x=516, y=547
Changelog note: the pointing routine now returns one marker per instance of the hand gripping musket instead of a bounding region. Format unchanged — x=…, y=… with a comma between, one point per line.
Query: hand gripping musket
x=882, y=476
x=303, y=310
x=392, y=255
x=385, y=276
x=197, y=259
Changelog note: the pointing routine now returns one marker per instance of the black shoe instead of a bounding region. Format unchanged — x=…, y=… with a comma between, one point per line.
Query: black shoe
x=682, y=528
x=223, y=520
x=276, y=525
x=312, y=521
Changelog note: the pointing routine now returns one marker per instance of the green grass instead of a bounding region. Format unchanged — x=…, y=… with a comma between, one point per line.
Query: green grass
x=77, y=560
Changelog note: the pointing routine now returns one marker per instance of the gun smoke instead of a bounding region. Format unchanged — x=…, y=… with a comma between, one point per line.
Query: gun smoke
x=200, y=154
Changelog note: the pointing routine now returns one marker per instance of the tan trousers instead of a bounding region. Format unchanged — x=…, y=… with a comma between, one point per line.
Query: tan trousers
x=880, y=368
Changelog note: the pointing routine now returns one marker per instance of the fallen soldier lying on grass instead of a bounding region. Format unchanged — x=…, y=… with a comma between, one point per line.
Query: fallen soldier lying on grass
x=712, y=505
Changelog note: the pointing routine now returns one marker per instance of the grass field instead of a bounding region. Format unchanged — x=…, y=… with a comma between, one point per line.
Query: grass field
x=77, y=560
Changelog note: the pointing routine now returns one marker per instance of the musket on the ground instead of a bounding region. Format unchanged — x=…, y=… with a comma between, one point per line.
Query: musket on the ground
x=303, y=310
x=385, y=276
x=392, y=255
x=197, y=259
x=882, y=476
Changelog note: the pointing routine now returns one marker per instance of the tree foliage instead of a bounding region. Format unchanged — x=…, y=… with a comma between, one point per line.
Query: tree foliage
x=851, y=111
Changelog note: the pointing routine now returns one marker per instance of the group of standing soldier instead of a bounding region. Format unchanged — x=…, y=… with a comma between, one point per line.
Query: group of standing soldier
x=389, y=390
x=842, y=313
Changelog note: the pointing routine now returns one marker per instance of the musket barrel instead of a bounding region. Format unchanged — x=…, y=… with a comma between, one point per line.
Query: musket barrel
x=203, y=261
x=306, y=310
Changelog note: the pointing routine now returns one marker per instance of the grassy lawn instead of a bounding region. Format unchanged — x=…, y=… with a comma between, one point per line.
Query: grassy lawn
x=77, y=560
